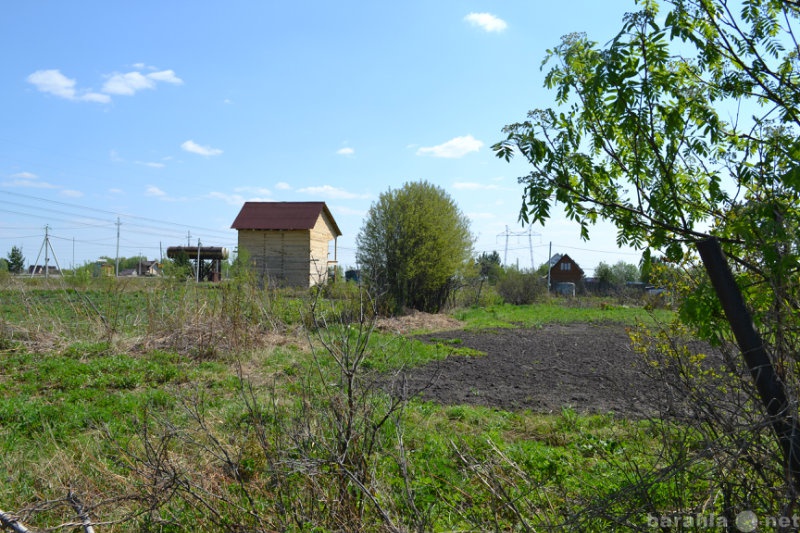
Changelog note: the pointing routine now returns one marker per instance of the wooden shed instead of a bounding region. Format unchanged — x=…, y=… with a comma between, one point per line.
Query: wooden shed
x=288, y=242
x=564, y=270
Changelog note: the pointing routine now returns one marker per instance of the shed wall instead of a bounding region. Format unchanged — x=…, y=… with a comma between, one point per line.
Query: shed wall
x=281, y=256
x=320, y=236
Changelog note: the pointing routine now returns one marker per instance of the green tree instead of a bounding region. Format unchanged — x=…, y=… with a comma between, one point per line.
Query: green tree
x=16, y=261
x=411, y=246
x=617, y=275
x=682, y=127
x=489, y=266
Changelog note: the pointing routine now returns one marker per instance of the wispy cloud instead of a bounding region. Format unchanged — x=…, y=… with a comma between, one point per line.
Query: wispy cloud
x=27, y=180
x=55, y=83
x=130, y=83
x=346, y=151
x=194, y=148
x=487, y=22
x=72, y=193
x=454, y=148
x=25, y=175
x=152, y=190
x=230, y=199
x=328, y=191
x=52, y=81
x=283, y=186
x=151, y=164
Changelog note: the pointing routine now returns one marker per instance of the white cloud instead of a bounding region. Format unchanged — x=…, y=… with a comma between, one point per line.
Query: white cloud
x=472, y=186
x=116, y=191
x=27, y=180
x=193, y=147
x=54, y=82
x=283, y=186
x=167, y=76
x=486, y=21
x=25, y=175
x=346, y=151
x=130, y=83
x=230, y=199
x=127, y=84
x=152, y=190
x=454, y=148
x=29, y=183
x=71, y=193
x=329, y=191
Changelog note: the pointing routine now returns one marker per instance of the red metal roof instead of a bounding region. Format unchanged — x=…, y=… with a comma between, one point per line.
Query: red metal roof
x=282, y=216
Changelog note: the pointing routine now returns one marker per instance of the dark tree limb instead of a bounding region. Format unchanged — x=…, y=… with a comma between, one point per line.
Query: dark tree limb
x=771, y=389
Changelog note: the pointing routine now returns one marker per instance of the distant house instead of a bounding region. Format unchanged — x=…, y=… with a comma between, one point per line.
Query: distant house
x=39, y=270
x=147, y=268
x=564, y=270
x=288, y=242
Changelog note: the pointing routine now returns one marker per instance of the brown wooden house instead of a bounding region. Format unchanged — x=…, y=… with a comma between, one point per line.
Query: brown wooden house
x=288, y=242
x=564, y=270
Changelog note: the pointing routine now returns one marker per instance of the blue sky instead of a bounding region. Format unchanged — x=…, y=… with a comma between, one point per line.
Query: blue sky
x=169, y=115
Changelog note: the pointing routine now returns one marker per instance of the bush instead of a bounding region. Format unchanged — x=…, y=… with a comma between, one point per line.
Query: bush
x=519, y=287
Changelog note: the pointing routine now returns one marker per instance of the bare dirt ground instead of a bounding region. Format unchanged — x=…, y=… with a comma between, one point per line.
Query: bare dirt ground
x=587, y=367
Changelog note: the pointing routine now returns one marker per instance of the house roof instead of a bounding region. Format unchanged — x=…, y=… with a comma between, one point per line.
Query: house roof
x=557, y=258
x=282, y=216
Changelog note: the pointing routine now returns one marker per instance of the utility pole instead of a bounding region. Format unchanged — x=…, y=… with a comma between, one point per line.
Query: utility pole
x=549, y=266
x=46, y=257
x=505, y=253
x=188, y=238
x=519, y=234
x=47, y=248
x=116, y=263
x=530, y=246
x=198, y=260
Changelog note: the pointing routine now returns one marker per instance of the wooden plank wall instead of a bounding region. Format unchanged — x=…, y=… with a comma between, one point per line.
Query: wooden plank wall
x=296, y=258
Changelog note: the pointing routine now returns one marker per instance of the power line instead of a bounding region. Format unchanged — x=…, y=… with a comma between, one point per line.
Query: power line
x=113, y=213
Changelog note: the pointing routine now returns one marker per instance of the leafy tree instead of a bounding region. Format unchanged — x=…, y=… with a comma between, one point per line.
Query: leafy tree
x=604, y=275
x=489, y=266
x=616, y=275
x=682, y=127
x=179, y=268
x=411, y=246
x=16, y=261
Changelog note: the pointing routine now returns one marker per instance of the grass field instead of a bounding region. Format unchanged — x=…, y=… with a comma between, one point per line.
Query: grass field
x=165, y=406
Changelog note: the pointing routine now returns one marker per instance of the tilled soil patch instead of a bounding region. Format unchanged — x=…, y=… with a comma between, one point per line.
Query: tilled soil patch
x=588, y=367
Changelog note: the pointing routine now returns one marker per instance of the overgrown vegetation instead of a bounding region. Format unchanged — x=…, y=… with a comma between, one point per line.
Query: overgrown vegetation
x=209, y=407
x=682, y=131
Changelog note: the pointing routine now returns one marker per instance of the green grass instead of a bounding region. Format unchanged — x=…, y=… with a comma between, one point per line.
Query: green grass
x=73, y=403
x=559, y=311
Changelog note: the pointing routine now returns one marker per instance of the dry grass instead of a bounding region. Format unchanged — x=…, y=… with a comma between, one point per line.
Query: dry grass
x=417, y=322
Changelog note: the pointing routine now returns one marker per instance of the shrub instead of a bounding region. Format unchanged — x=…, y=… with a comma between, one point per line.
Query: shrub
x=518, y=287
